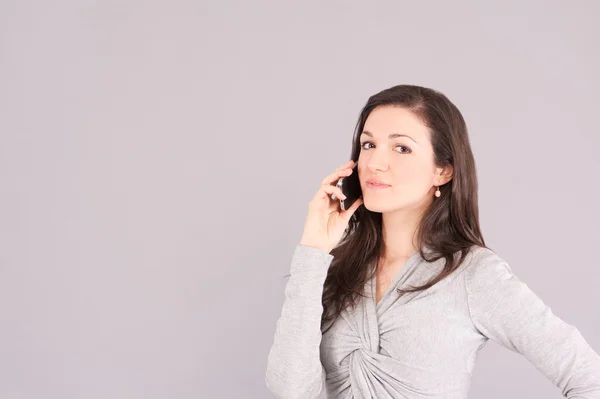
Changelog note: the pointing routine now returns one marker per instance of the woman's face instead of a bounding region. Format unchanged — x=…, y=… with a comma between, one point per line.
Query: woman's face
x=405, y=161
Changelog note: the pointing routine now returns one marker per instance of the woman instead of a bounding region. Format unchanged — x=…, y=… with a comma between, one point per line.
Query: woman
x=395, y=298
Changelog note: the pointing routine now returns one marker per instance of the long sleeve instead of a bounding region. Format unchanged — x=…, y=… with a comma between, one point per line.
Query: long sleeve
x=505, y=309
x=294, y=368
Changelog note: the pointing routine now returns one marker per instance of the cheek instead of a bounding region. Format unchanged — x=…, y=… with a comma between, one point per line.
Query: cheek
x=412, y=174
x=415, y=177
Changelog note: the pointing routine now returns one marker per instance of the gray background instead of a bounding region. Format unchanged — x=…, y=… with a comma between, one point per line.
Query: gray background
x=157, y=160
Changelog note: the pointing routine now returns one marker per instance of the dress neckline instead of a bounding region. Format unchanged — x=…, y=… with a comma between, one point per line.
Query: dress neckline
x=409, y=264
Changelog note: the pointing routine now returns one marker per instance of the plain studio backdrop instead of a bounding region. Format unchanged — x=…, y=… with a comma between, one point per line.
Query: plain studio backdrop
x=157, y=160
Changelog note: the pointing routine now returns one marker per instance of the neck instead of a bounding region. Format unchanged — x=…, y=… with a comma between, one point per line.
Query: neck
x=400, y=230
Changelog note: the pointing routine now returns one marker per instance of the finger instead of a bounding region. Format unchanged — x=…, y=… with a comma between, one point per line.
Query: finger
x=343, y=168
x=328, y=189
x=348, y=164
x=348, y=212
x=334, y=177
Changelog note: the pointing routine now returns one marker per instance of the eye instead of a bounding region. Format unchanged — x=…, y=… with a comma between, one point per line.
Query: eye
x=363, y=144
x=406, y=150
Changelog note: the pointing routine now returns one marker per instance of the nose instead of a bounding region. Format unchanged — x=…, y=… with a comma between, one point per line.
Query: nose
x=377, y=162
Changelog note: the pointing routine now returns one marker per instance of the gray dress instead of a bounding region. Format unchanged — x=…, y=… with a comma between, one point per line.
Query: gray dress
x=423, y=344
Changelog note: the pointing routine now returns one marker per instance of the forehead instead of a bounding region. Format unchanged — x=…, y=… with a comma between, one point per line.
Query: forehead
x=383, y=121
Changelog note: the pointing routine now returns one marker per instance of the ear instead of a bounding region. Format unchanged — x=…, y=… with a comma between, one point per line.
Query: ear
x=443, y=175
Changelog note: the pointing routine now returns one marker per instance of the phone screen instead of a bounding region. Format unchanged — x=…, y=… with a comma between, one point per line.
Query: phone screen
x=350, y=186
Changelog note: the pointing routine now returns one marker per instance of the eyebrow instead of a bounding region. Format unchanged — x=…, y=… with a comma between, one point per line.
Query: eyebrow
x=391, y=136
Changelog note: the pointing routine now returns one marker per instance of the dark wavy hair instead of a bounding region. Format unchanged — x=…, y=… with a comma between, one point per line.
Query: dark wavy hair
x=449, y=226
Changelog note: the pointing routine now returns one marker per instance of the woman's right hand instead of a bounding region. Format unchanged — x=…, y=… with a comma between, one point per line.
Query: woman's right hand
x=326, y=222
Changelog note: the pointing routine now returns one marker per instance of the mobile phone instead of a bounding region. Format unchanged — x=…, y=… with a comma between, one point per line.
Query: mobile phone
x=350, y=186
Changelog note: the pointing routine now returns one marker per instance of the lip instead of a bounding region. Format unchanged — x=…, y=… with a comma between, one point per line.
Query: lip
x=374, y=184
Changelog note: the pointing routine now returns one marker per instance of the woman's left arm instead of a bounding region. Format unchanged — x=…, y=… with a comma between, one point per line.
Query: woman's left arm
x=506, y=310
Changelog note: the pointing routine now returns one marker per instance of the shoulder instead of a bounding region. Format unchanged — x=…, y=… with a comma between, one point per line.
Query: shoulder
x=487, y=270
x=476, y=256
x=481, y=265
x=481, y=256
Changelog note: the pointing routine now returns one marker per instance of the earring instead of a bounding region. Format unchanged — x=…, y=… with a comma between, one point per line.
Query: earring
x=438, y=192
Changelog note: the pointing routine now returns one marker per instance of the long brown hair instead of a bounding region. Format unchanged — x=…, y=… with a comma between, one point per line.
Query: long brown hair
x=451, y=223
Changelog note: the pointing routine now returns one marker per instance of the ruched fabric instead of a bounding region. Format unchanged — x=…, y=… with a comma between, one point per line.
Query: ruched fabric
x=422, y=344
x=366, y=369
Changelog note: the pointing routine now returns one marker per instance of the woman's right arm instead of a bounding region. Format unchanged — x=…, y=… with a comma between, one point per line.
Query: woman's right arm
x=294, y=368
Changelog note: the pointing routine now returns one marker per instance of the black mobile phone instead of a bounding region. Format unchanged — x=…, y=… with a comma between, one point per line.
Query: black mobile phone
x=350, y=186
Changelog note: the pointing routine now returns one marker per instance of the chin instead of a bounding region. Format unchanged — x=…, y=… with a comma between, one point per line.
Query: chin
x=379, y=206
